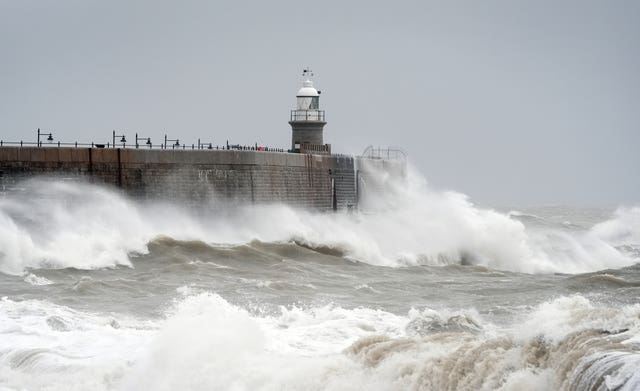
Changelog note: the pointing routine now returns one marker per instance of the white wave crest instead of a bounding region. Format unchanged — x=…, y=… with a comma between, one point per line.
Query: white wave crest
x=58, y=225
x=207, y=343
x=622, y=229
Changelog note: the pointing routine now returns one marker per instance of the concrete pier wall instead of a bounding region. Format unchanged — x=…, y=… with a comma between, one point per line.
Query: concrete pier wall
x=201, y=177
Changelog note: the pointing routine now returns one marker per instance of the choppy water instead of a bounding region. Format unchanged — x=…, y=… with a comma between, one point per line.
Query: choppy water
x=422, y=290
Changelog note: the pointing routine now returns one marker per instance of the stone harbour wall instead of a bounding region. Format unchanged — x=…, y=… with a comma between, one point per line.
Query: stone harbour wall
x=201, y=177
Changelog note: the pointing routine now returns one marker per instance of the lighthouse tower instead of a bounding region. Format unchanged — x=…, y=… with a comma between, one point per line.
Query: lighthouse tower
x=307, y=120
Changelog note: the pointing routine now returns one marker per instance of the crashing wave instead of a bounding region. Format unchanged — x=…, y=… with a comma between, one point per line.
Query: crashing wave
x=88, y=227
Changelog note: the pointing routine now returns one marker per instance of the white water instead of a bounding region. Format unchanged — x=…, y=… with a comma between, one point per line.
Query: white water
x=58, y=225
x=206, y=343
x=490, y=330
x=622, y=229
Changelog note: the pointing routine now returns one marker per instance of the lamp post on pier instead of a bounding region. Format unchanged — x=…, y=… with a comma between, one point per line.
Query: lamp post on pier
x=143, y=138
x=123, y=140
x=177, y=144
x=49, y=139
x=204, y=145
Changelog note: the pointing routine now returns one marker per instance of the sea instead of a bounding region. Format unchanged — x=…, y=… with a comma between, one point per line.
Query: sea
x=420, y=289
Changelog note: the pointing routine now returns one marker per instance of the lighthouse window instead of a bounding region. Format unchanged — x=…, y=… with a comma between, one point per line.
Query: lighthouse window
x=314, y=103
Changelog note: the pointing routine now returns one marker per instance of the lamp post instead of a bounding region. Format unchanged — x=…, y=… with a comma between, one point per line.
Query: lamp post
x=49, y=139
x=177, y=144
x=143, y=138
x=202, y=145
x=123, y=140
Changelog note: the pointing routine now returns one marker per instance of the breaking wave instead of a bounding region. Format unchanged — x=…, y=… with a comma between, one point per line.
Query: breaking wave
x=61, y=225
x=583, y=281
x=204, y=343
x=621, y=230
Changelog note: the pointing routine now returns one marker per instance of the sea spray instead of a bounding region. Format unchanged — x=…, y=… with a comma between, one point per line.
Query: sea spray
x=103, y=292
x=623, y=229
x=204, y=342
x=58, y=225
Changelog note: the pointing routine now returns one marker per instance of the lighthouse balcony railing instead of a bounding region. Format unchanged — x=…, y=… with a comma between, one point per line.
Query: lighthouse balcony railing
x=307, y=115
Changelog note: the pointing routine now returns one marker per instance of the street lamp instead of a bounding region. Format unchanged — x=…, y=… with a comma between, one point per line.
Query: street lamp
x=204, y=145
x=49, y=139
x=122, y=140
x=143, y=138
x=177, y=144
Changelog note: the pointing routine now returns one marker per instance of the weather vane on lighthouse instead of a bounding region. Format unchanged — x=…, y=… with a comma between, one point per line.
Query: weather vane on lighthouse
x=307, y=72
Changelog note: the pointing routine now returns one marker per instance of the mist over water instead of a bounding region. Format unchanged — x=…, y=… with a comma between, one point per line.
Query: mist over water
x=420, y=289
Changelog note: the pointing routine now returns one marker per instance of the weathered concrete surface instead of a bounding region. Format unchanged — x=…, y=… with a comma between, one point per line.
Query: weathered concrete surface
x=310, y=132
x=200, y=177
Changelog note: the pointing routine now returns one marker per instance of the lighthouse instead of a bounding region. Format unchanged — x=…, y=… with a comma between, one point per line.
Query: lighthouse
x=307, y=120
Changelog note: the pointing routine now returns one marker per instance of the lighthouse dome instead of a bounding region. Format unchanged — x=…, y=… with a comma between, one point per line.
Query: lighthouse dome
x=307, y=89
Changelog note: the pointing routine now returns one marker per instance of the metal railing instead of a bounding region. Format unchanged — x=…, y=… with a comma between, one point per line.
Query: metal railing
x=120, y=141
x=307, y=115
x=173, y=146
x=389, y=153
x=49, y=144
x=315, y=148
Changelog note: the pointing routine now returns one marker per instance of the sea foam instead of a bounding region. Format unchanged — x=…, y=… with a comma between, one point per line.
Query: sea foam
x=58, y=225
x=203, y=342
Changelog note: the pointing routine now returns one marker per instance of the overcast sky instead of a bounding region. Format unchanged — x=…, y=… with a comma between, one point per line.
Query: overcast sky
x=511, y=102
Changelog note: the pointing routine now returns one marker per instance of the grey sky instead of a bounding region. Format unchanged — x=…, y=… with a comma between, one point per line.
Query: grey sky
x=511, y=102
